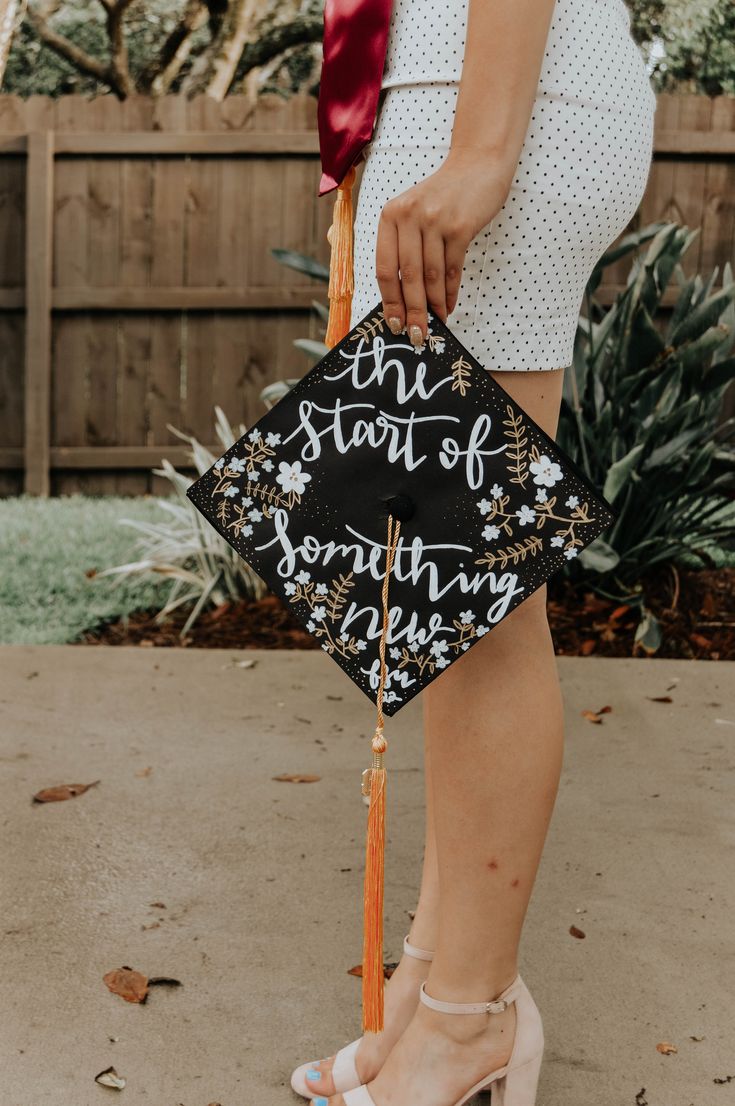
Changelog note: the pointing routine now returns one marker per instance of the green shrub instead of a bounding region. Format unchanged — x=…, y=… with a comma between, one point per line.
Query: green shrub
x=641, y=414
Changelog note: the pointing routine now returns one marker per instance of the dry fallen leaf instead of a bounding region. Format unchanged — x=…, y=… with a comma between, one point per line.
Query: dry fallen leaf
x=110, y=1078
x=620, y=611
x=295, y=777
x=578, y=933
x=388, y=970
x=594, y=715
x=665, y=1048
x=129, y=984
x=63, y=791
x=588, y=647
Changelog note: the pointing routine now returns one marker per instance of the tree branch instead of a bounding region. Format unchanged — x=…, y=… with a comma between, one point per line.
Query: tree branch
x=161, y=72
x=80, y=59
x=277, y=40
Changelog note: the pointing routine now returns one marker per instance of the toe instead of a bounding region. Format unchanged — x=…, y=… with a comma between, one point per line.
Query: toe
x=318, y=1078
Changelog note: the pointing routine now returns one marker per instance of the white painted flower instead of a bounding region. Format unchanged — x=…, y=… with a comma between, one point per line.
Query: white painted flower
x=496, y=491
x=254, y=435
x=484, y=506
x=237, y=464
x=482, y=630
x=272, y=439
x=395, y=654
x=321, y=589
x=545, y=471
x=325, y=646
x=289, y=587
x=439, y=647
x=291, y=478
x=438, y=342
x=441, y=662
x=491, y=532
x=319, y=613
x=361, y=644
x=466, y=617
x=557, y=540
x=218, y=464
x=268, y=465
x=302, y=577
x=569, y=553
x=247, y=530
x=525, y=514
x=573, y=501
x=344, y=636
x=311, y=626
x=253, y=473
x=247, y=501
x=230, y=492
x=255, y=515
x=541, y=495
x=465, y=645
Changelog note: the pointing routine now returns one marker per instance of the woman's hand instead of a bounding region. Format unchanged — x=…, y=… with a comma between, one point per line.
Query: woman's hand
x=424, y=233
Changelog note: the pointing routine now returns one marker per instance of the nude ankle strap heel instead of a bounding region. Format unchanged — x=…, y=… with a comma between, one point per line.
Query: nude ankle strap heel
x=344, y=1071
x=515, y=1084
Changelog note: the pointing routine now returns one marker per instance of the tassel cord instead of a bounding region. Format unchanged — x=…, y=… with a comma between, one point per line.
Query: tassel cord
x=372, y=957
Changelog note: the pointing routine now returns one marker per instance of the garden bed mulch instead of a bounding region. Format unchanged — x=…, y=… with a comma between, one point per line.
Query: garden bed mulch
x=696, y=609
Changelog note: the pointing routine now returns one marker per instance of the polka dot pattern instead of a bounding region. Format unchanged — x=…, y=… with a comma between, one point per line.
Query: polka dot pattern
x=580, y=177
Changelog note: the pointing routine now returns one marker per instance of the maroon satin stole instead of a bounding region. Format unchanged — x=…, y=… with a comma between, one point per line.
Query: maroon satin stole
x=354, y=46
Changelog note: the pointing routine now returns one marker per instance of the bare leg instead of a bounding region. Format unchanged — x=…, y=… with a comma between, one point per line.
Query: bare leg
x=494, y=729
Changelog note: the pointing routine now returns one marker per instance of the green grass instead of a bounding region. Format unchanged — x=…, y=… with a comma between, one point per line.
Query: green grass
x=47, y=547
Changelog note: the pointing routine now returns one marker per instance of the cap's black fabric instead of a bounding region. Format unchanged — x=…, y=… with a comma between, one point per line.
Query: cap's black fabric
x=489, y=506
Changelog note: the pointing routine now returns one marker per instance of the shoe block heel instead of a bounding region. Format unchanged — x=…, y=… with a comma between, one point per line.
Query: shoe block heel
x=519, y=1086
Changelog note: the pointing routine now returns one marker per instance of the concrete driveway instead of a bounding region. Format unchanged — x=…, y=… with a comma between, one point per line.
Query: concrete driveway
x=261, y=881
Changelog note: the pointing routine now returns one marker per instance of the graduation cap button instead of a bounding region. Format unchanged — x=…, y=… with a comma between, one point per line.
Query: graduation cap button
x=401, y=507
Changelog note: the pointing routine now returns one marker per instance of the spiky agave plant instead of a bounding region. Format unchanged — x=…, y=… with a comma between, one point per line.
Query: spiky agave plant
x=203, y=568
x=641, y=415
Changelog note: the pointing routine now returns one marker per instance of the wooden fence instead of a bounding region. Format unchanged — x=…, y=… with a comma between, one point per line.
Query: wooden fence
x=137, y=287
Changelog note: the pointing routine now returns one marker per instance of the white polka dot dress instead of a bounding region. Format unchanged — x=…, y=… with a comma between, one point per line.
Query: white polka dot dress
x=580, y=177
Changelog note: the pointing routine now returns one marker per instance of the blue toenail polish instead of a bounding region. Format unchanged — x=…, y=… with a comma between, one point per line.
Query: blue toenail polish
x=320, y=1102
x=313, y=1074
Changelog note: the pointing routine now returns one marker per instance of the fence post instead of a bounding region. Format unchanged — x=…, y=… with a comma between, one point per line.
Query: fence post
x=39, y=246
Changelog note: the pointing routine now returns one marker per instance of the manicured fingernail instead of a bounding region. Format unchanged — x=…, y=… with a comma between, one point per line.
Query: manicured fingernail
x=415, y=334
x=313, y=1074
x=395, y=324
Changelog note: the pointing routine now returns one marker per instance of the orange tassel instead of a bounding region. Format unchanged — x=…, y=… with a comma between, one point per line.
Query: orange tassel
x=341, y=263
x=372, y=943
x=373, y=980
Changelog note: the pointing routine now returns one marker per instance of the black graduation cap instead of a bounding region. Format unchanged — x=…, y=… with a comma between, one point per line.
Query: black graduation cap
x=401, y=504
